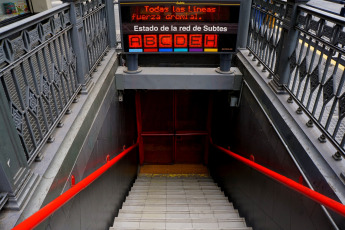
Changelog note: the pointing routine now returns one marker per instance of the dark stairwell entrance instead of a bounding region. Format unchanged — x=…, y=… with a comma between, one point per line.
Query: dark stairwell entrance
x=174, y=126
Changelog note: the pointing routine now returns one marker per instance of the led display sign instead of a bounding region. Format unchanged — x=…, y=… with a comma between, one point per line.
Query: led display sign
x=150, y=27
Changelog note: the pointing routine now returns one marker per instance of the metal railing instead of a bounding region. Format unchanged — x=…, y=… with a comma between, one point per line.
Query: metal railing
x=317, y=72
x=38, y=217
x=264, y=36
x=43, y=65
x=303, y=50
x=95, y=27
x=38, y=74
x=291, y=184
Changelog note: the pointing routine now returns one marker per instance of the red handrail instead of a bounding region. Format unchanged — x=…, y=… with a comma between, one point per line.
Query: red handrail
x=34, y=220
x=318, y=197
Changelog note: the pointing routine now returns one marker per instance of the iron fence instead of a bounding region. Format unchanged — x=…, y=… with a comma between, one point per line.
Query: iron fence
x=96, y=31
x=265, y=32
x=42, y=68
x=317, y=73
x=38, y=75
x=117, y=25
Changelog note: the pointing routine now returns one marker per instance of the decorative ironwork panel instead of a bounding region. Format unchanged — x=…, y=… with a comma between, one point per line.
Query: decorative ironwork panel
x=303, y=69
x=341, y=38
x=266, y=23
x=327, y=33
x=317, y=84
x=328, y=91
x=95, y=27
x=314, y=27
x=38, y=74
x=314, y=79
x=293, y=63
x=342, y=106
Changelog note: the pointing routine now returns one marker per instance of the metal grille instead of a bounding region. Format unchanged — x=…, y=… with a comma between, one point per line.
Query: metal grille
x=117, y=25
x=317, y=72
x=38, y=74
x=265, y=29
x=95, y=27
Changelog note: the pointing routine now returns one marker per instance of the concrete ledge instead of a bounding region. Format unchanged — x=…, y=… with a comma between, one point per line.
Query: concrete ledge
x=178, y=78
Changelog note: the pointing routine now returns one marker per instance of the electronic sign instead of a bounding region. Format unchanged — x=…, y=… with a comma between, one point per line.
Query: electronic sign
x=184, y=27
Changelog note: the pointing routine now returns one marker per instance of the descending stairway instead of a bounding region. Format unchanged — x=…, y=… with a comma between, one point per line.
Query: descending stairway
x=177, y=203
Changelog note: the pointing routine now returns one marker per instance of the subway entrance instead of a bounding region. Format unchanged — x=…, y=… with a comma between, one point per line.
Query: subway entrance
x=174, y=126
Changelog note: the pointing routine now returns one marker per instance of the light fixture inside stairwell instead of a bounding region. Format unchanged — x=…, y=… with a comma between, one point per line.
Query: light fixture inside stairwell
x=233, y=101
x=120, y=96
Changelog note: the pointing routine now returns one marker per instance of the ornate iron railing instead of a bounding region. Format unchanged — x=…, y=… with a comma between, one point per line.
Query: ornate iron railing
x=117, y=24
x=95, y=27
x=38, y=74
x=317, y=72
x=43, y=65
x=265, y=29
x=303, y=50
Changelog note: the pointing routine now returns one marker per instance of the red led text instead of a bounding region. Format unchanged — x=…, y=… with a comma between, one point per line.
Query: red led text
x=149, y=41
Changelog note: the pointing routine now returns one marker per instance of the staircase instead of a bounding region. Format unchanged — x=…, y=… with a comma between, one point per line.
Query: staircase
x=163, y=202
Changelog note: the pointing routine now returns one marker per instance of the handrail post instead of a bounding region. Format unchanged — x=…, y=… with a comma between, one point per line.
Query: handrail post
x=111, y=22
x=79, y=43
x=289, y=38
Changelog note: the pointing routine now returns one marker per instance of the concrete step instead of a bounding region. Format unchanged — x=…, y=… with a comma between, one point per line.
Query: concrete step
x=208, y=211
x=174, y=201
x=185, y=207
x=177, y=203
x=216, y=214
x=178, y=196
x=176, y=192
x=173, y=187
x=174, y=183
x=172, y=180
x=179, y=224
x=151, y=218
x=165, y=178
x=211, y=204
x=194, y=228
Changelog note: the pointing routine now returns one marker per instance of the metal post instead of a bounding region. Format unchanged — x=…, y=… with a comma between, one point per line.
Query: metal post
x=132, y=63
x=225, y=63
x=111, y=22
x=243, y=24
x=287, y=46
x=79, y=44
